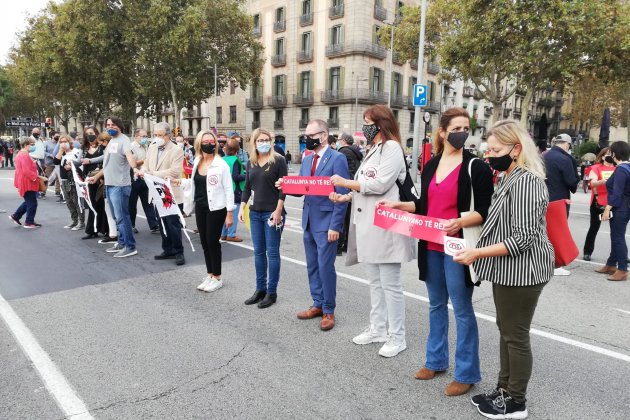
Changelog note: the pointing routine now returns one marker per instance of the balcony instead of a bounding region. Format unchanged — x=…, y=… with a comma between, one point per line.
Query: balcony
x=192, y=114
x=167, y=110
x=414, y=63
x=487, y=111
x=277, y=101
x=280, y=26
x=520, y=92
x=257, y=31
x=380, y=13
x=348, y=96
x=278, y=125
x=254, y=103
x=433, y=68
x=304, y=56
x=396, y=59
x=333, y=122
x=477, y=94
x=432, y=106
x=559, y=99
x=306, y=19
x=303, y=123
x=517, y=113
x=362, y=48
x=303, y=99
x=506, y=112
x=335, y=12
x=468, y=91
x=278, y=60
x=398, y=101
x=547, y=101
x=255, y=125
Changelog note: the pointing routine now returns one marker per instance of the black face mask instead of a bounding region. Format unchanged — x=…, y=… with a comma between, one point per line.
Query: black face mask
x=609, y=159
x=501, y=163
x=208, y=148
x=458, y=139
x=369, y=132
x=91, y=137
x=56, y=138
x=36, y=135
x=312, y=144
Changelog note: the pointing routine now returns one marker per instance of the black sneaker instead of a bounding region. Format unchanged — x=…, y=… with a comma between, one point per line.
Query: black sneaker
x=15, y=220
x=486, y=396
x=155, y=230
x=587, y=257
x=503, y=407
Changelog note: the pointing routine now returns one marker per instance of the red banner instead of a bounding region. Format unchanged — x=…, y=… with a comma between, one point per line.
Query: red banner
x=409, y=224
x=307, y=185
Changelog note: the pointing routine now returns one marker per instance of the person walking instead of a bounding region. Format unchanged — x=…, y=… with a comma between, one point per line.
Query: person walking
x=92, y=160
x=617, y=211
x=139, y=189
x=8, y=154
x=599, y=174
x=26, y=180
x=289, y=160
x=514, y=254
x=65, y=157
x=209, y=193
x=49, y=165
x=237, y=170
x=374, y=182
x=266, y=214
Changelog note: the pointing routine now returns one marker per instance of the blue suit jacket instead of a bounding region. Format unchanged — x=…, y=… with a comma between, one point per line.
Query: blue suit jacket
x=320, y=214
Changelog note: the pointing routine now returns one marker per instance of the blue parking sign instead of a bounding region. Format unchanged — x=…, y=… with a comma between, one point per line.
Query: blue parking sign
x=419, y=95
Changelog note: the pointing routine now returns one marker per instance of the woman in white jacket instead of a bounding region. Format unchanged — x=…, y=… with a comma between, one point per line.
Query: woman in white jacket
x=209, y=192
x=382, y=251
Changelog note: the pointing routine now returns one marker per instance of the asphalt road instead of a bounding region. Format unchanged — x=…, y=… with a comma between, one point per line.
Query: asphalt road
x=134, y=339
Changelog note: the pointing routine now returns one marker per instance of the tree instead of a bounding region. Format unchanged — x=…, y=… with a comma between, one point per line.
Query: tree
x=592, y=95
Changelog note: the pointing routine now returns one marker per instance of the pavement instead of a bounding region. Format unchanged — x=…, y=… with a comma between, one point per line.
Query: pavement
x=134, y=339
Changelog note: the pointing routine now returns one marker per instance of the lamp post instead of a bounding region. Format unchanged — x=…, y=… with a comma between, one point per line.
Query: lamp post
x=391, y=23
x=356, y=102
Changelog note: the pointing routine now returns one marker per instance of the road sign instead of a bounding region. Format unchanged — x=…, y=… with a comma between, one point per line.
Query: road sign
x=426, y=117
x=419, y=95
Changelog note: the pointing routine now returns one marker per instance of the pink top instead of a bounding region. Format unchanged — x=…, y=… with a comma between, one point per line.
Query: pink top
x=442, y=202
x=26, y=177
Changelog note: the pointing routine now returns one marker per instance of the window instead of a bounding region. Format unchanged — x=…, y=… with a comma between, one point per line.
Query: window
x=278, y=88
x=219, y=115
x=376, y=39
x=305, y=84
x=336, y=3
x=431, y=91
x=396, y=84
x=257, y=116
x=232, y=113
x=395, y=112
x=257, y=21
x=279, y=46
x=412, y=81
x=280, y=14
x=306, y=7
x=412, y=118
x=376, y=80
x=336, y=37
x=305, y=43
x=279, y=115
x=304, y=114
x=232, y=88
x=335, y=78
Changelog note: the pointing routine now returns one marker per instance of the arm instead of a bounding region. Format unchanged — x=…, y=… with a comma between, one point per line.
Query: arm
x=570, y=176
x=594, y=176
x=175, y=170
x=615, y=196
x=131, y=159
x=392, y=162
x=226, y=179
x=237, y=176
x=340, y=167
x=282, y=171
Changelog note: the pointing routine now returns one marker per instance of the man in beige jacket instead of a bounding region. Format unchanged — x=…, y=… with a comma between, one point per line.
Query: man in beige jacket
x=164, y=159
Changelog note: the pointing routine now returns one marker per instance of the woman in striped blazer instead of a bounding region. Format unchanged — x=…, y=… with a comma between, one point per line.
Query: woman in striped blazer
x=515, y=255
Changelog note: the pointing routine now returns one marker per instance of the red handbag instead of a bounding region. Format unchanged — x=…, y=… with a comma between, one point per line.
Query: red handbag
x=564, y=248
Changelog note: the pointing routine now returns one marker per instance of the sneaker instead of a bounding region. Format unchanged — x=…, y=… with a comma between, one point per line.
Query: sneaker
x=213, y=285
x=202, y=286
x=503, y=407
x=587, y=257
x=393, y=346
x=134, y=229
x=155, y=230
x=15, y=220
x=31, y=225
x=125, y=252
x=62, y=201
x=80, y=226
x=561, y=272
x=486, y=396
x=115, y=248
x=369, y=336
x=107, y=240
x=70, y=226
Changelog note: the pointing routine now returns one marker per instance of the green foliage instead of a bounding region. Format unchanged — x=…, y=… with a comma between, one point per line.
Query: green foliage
x=586, y=147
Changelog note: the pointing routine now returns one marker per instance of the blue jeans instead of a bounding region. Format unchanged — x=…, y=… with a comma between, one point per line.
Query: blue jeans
x=231, y=232
x=618, y=247
x=28, y=206
x=445, y=278
x=266, y=241
x=118, y=199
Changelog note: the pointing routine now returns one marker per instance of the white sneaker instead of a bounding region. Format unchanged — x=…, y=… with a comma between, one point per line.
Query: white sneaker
x=369, y=336
x=213, y=285
x=205, y=284
x=393, y=346
x=70, y=226
x=561, y=272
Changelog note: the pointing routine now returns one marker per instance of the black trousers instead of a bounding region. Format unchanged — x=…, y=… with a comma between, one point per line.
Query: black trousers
x=589, y=244
x=342, y=245
x=210, y=224
x=171, y=235
x=139, y=189
x=101, y=217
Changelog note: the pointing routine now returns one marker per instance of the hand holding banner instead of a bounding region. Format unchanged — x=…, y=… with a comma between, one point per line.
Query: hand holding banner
x=453, y=245
x=409, y=224
x=307, y=185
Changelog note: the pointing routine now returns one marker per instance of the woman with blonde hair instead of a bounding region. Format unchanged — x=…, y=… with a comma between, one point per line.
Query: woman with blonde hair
x=515, y=255
x=209, y=193
x=266, y=214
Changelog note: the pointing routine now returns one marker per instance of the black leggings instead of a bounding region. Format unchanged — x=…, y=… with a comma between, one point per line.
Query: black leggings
x=589, y=244
x=210, y=225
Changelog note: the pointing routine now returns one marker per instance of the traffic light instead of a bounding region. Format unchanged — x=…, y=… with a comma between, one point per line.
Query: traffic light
x=177, y=131
x=49, y=122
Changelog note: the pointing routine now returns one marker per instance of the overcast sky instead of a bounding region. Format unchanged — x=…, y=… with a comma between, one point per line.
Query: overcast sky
x=13, y=20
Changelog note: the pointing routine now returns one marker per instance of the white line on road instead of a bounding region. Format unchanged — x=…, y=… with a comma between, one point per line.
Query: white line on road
x=621, y=310
x=56, y=384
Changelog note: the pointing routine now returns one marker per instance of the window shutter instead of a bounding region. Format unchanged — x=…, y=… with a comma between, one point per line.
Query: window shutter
x=284, y=84
x=371, y=79
x=342, y=73
x=274, y=86
x=381, y=81
x=342, y=35
x=329, y=79
x=310, y=82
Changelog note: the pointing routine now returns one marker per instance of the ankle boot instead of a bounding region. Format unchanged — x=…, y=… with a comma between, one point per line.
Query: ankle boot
x=270, y=299
x=618, y=276
x=607, y=269
x=256, y=297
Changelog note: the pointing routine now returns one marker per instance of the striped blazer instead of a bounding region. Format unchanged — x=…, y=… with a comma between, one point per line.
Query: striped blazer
x=517, y=218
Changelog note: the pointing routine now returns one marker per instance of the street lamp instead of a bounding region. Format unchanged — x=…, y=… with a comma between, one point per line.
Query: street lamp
x=416, y=123
x=356, y=102
x=391, y=23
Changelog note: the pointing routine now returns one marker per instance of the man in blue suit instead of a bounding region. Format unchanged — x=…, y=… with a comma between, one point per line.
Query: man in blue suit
x=322, y=220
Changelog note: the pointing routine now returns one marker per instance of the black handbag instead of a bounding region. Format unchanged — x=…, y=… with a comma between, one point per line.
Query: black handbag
x=407, y=189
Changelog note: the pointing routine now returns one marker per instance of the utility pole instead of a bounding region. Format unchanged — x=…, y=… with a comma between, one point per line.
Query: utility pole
x=417, y=117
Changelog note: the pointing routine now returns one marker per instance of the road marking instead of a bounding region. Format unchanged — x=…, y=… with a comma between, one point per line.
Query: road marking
x=545, y=334
x=621, y=310
x=56, y=384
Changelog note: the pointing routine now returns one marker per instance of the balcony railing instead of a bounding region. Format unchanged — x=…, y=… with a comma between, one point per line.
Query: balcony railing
x=303, y=99
x=468, y=91
x=167, y=111
x=255, y=125
x=304, y=56
x=432, y=106
x=363, y=96
x=193, y=114
x=547, y=101
x=366, y=48
x=433, y=68
x=277, y=101
x=517, y=113
x=278, y=60
x=333, y=122
x=506, y=112
x=280, y=26
x=257, y=31
x=477, y=94
x=278, y=124
x=254, y=103
x=398, y=101
x=380, y=13
x=306, y=19
x=303, y=123
x=336, y=11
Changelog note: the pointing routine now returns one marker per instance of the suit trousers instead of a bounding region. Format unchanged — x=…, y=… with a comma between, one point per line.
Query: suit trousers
x=320, y=264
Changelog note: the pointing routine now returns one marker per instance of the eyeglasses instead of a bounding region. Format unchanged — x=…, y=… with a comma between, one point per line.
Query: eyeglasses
x=263, y=141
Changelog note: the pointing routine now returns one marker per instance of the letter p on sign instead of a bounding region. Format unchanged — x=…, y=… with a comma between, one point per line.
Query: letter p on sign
x=419, y=95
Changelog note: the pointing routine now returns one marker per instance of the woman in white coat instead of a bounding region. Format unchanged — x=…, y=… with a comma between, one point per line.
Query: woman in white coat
x=382, y=251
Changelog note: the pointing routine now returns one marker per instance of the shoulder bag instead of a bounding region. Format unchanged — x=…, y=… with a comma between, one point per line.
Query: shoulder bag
x=471, y=234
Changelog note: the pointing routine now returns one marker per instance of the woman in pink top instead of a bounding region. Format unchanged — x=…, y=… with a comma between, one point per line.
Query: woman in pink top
x=446, y=193
x=26, y=180
x=600, y=172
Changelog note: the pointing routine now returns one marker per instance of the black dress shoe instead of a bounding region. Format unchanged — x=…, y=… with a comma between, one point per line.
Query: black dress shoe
x=90, y=236
x=269, y=300
x=587, y=257
x=256, y=297
x=179, y=259
x=164, y=256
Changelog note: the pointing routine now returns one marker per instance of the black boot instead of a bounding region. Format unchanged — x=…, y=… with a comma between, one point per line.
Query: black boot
x=256, y=297
x=269, y=300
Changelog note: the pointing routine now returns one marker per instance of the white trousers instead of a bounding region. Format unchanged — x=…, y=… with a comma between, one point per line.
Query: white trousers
x=113, y=231
x=386, y=295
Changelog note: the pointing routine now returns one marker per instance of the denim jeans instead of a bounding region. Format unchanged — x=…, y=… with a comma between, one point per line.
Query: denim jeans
x=231, y=232
x=118, y=198
x=618, y=247
x=445, y=278
x=28, y=206
x=266, y=241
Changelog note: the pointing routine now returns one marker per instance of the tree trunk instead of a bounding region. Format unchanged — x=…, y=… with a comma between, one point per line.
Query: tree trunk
x=497, y=112
x=175, y=104
x=525, y=107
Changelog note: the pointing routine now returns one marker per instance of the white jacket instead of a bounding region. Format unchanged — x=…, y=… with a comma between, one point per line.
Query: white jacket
x=218, y=186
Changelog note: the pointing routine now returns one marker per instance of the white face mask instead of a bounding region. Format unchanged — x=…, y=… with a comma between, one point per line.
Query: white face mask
x=159, y=141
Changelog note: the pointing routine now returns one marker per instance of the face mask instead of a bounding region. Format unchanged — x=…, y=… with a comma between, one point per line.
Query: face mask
x=311, y=143
x=65, y=146
x=457, y=140
x=31, y=149
x=91, y=137
x=112, y=132
x=370, y=131
x=144, y=141
x=36, y=135
x=159, y=141
x=609, y=159
x=263, y=147
x=501, y=163
x=208, y=148
x=56, y=138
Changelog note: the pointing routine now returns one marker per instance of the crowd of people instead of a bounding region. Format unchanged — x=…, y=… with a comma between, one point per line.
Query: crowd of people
x=512, y=251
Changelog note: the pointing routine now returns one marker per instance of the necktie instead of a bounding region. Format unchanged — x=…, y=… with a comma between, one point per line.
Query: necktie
x=315, y=158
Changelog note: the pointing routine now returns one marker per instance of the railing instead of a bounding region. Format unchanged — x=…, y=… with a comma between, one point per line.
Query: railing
x=335, y=49
x=278, y=124
x=280, y=26
x=363, y=96
x=336, y=11
x=517, y=113
x=506, y=112
x=277, y=101
x=278, y=60
x=193, y=113
x=255, y=125
x=468, y=91
x=306, y=19
x=433, y=68
x=477, y=94
x=433, y=106
x=304, y=56
x=380, y=13
x=303, y=99
x=167, y=111
x=254, y=103
x=333, y=122
x=367, y=48
x=257, y=32
x=398, y=101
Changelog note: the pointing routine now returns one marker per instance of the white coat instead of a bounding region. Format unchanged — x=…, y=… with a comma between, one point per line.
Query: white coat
x=218, y=186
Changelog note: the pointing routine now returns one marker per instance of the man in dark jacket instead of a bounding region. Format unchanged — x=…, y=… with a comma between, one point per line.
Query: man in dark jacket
x=354, y=158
